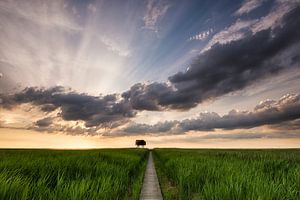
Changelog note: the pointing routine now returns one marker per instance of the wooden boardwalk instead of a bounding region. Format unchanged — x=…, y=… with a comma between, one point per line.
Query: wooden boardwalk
x=150, y=189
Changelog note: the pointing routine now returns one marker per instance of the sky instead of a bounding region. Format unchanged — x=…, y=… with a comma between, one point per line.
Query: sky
x=190, y=74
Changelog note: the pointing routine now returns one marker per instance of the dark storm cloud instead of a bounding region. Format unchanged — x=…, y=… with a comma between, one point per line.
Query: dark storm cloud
x=240, y=136
x=296, y=59
x=286, y=109
x=44, y=122
x=148, y=97
x=268, y=112
x=101, y=110
x=48, y=107
x=288, y=126
x=108, y=111
x=161, y=127
x=224, y=68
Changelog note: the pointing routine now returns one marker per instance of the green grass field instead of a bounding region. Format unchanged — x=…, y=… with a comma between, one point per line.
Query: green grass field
x=73, y=174
x=228, y=174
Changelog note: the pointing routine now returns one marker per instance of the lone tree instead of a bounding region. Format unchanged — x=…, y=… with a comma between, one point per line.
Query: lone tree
x=140, y=143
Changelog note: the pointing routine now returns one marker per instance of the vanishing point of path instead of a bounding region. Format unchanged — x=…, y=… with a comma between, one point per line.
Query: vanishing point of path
x=150, y=189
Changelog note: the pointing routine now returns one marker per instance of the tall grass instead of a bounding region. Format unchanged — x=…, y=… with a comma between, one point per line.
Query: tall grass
x=228, y=174
x=74, y=174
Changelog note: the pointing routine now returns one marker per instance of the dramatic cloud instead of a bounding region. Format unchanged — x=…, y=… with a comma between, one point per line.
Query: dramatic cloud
x=110, y=112
x=94, y=111
x=237, y=57
x=169, y=127
x=149, y=96
x=236, y=31
x=275, y=16
x=268, y=112
x=241, y=28
x=224, y=68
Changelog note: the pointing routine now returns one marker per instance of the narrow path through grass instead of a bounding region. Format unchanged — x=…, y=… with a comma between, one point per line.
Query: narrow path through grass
x=150, y=189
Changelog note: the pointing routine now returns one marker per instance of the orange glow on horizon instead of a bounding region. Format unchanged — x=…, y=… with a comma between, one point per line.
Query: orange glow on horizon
x=17, y=138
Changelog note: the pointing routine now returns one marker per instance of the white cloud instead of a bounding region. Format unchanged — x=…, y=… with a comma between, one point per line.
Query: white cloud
x=274, y=17
x=115, y=47
x=248, y=6
x=156, y=9
x=202, y=35
x=239, y=28
x=231, y=33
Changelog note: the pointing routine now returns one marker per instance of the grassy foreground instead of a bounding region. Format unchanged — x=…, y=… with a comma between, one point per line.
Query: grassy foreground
x=228, y=174
x=74, y=174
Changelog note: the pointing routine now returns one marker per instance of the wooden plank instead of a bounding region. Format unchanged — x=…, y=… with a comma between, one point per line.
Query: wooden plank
x=150, y=189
